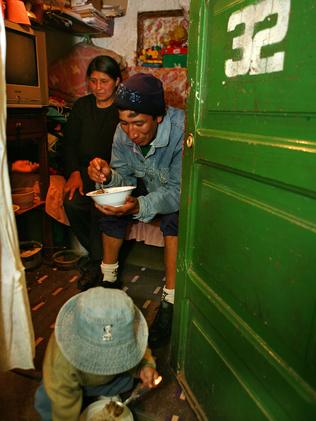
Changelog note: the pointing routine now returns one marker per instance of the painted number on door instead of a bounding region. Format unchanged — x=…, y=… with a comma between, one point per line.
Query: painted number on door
x=250, y=42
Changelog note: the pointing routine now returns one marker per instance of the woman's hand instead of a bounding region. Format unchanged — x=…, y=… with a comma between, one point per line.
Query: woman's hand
x=74, y=183
x=148, y=376
x=131, y=206
x=99, y=170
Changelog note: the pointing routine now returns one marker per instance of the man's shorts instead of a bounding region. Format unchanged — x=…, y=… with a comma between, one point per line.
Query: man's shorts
x=117, y=226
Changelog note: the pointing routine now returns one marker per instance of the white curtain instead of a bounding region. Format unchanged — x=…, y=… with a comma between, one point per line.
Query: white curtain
x=16, y=330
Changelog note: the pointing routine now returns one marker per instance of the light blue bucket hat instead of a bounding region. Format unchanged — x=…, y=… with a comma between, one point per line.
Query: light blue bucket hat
x=101, y=331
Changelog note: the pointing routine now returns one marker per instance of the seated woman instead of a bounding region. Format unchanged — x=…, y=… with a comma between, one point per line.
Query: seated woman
x=89, y=133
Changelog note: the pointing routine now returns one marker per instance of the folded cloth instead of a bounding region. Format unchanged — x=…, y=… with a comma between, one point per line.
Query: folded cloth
x=149, y=233
x=54, y=205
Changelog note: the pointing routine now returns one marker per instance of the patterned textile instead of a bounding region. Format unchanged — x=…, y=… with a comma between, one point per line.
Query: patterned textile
x=156, y=28
x=54, y=205
x=174, y=80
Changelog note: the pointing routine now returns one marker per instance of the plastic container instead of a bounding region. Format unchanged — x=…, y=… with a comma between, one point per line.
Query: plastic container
x=31, y=254
x=66, y=259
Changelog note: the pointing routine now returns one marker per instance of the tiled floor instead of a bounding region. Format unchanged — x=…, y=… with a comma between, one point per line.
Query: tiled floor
x=49, y=288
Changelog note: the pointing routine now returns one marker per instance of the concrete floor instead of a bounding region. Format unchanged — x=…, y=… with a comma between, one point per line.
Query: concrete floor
x=17, y=388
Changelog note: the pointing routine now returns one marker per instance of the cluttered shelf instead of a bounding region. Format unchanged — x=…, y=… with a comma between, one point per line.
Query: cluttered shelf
x=65, y=20
x=27, y=134
x=89, y=17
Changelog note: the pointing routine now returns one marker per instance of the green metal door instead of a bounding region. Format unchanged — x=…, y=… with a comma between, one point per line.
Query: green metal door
x=244, y=338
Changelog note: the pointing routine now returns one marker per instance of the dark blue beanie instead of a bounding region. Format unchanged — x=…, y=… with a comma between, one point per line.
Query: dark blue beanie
x=142, y=93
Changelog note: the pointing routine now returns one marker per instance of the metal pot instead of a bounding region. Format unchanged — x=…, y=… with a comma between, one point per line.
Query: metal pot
x=66, y=259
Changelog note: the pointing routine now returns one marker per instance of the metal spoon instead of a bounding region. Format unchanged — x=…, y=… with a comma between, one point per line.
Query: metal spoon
x=139, y=391
x=117, y=407
x=102, y=188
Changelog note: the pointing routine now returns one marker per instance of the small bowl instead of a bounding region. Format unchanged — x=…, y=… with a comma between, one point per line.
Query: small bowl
x=65, y=259
x=112, y=196
x=30, y=252
x=23, y=197
x=96, y=409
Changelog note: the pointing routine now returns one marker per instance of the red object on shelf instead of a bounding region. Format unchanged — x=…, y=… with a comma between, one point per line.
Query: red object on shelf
x=16, y=12
x=171, y=50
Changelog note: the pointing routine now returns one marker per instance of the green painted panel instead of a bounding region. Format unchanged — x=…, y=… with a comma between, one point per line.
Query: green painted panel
x=244, y=333
x=235, y=375
x=259, y=267
x=264, y=35
x=260, y=156
x=216, y=385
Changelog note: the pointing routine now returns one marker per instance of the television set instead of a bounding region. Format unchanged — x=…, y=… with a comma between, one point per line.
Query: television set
x=26, y=66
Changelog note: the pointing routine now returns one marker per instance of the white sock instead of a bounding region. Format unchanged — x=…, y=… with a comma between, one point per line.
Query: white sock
x=109, y=271
x=168, y=295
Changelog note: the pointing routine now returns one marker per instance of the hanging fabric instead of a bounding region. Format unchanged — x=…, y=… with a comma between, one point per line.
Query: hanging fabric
x=16, y=330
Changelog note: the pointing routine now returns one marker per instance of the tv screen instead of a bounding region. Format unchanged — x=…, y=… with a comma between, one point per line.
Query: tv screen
x=26, y=66
x=21, y=62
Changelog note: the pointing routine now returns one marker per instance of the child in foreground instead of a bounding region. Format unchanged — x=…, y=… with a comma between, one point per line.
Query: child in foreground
x=98, y=348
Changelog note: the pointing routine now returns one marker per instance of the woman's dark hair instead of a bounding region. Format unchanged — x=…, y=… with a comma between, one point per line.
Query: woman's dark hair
x=105, y=64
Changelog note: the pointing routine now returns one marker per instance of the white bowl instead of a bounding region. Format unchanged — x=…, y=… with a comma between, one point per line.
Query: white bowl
x=95, y=409
x=112, y=196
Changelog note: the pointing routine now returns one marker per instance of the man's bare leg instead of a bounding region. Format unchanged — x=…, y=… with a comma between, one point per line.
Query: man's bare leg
x=109, y=265
x=170, y=257
x=111, y=248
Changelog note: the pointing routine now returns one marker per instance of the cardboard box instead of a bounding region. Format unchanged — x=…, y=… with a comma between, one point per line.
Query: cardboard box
x=74, y=3
x=174, y=60
x=171, y=50
x=96, y=3
x=121, y=4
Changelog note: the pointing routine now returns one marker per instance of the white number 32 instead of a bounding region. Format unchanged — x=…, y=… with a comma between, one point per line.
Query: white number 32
x=250, y=45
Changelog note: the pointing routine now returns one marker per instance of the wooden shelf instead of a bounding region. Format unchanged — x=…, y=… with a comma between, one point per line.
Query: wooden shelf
x=35, y=205
x=61, y=21
x=27, y=127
